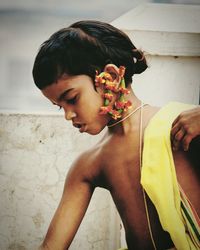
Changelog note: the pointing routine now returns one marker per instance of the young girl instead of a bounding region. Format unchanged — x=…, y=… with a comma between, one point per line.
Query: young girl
x=87, y=71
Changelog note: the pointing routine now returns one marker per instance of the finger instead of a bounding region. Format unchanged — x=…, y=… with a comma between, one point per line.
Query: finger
x=179, y=135
x=175, y=145
x=175, y=121
x=174, y=130
x=186, y=142
x=177, y=139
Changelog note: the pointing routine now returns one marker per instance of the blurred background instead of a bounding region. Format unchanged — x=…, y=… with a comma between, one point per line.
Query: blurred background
x=25, y=24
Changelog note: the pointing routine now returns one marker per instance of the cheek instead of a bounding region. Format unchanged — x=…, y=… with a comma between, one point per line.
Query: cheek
x=99, y=100
x=93, y=109
x=95, y=106
x=94, y=103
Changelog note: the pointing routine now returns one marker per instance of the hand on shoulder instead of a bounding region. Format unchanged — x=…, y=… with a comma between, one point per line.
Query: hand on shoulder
x=185, y=128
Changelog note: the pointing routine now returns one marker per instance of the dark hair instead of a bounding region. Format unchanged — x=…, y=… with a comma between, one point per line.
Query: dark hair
x=83, y=48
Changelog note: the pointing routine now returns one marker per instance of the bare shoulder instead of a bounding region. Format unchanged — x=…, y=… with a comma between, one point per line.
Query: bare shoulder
x=149, y=113
x=86, y=166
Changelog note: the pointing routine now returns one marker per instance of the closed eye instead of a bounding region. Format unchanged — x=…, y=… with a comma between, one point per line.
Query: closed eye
x=72, y=100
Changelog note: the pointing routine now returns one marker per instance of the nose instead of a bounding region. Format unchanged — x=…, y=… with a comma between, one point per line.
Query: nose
x=69, y=115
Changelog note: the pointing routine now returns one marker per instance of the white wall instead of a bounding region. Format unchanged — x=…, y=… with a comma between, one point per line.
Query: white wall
x=170, y=37
x=169, y=78
x=36, y=153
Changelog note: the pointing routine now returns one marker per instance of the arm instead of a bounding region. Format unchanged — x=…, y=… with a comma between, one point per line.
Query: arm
x=185, y=128
x=70, y=212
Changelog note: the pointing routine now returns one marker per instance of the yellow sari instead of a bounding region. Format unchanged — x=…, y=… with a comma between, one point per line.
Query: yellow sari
x=158, y=179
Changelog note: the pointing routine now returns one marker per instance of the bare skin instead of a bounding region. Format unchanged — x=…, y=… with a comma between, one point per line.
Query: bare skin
x=113, y=164
x=185, y=128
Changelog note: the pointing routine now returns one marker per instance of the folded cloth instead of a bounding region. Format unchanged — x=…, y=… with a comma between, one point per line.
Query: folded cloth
x=158, y=178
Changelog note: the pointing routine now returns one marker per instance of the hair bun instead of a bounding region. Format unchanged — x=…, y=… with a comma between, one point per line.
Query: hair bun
x=139, y=61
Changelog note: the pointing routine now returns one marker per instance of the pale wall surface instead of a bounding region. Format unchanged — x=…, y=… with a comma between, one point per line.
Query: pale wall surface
x=169, y=78
x=36, y=153
x=170, y=37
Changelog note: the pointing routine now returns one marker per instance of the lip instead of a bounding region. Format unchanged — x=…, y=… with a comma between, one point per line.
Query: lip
x=77, y=125
x=81, y=127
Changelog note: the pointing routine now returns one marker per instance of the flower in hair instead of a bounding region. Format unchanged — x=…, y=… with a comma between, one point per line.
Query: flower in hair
x=123, y=105
x=108, y=96
x=122, y=71
x=107, y=76
x=105, y=81
x=119, y=105
x=127, y=105
x=124, y=90
x=116, y=114
x=105, y=110
x=111, y=87
x=99, y=81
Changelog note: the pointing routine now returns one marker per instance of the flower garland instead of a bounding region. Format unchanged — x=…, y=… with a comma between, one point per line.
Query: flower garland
x=105, y=81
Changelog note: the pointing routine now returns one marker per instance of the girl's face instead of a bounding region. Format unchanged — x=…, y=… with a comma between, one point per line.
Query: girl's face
x=80, y=102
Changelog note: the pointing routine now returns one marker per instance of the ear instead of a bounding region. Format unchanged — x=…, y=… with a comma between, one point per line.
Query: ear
x=115, y=72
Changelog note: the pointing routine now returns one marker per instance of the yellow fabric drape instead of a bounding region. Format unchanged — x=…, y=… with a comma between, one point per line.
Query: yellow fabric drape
x=158, y=176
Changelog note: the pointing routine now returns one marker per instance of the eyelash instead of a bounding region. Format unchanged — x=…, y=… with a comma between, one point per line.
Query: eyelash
x=72, y=100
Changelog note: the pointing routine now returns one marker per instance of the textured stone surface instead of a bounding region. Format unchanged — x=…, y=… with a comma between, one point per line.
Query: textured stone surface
x=36, y=153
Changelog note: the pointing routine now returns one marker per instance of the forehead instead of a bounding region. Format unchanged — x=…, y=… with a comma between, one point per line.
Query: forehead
x=79, y=82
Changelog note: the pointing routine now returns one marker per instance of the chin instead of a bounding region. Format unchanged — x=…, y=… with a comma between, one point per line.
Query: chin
x=94, y=131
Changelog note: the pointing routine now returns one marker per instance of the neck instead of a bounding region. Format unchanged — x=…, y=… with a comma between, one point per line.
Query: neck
x=126, y=125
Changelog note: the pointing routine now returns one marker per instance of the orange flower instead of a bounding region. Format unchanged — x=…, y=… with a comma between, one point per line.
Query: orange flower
x=108, y=76
x=127, y=105
x=122, y=71
x=124, y=91
x=119, y=104
x=108, y=96
x=105, y=110
x=111, y=87
x=115, y=114
x=99, y=80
